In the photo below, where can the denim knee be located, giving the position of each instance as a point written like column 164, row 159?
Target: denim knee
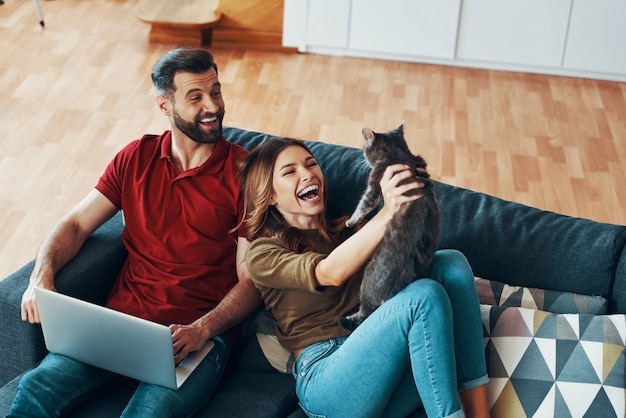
column 452, row 264
column 152, row 400
column 423, row 291
column 425, row 297
column 54, row 384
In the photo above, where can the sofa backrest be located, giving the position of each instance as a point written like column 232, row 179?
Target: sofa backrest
column 503, row 241
column 618, row 297
column 520, row 245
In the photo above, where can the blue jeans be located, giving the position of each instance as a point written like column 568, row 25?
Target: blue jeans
column 419, row 348
column 50, row 389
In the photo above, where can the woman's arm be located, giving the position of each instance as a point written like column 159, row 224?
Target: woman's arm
column 350, row 255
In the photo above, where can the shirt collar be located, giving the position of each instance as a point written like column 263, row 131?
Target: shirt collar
column 210, row 166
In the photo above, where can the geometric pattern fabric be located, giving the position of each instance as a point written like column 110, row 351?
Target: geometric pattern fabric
column 501, row 294
column 543, row 364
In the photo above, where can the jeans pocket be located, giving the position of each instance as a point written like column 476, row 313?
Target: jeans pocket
column 310, row 356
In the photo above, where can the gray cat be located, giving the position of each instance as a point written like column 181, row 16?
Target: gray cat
column 411, row 239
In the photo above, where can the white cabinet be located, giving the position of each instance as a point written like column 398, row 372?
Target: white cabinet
column 425, row 28
column 294, row 23
column 527, row 32
column 582, row 38
column 316, row 23
column 328, row 23
column 597, row 36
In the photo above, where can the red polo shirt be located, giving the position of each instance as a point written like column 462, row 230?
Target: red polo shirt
column 181, row 257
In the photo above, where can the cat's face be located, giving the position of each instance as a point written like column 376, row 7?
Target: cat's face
column 386, row 147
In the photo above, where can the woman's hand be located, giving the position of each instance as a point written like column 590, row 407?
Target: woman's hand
column 350, row 255
column 393, row 191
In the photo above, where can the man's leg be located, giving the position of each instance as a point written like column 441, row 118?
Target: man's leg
column 50, row 388
column 156, row 401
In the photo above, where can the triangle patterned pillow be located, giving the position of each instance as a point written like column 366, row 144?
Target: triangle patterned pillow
column 543, row 364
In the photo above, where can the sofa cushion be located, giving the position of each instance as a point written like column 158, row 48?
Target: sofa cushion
column 501, row 294
column 269, row 395
column 547, row 364
column 262, row 352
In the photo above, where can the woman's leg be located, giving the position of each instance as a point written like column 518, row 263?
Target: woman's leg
column 50, row 389
column 474, row 401
column 156, row 401
column 452, row 270
column 361, row 374
column 397, row 406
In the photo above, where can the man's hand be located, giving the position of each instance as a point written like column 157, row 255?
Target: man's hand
column 30, row 312
column 187, row 338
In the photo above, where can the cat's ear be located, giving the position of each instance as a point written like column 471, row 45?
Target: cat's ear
column 400, row 128
column 369, row 135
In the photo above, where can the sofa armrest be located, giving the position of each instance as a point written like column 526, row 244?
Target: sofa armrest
column 88, row 276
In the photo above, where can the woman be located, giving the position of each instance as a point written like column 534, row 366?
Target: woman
column 422, row 347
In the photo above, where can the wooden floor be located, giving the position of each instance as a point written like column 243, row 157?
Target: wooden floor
column 75, row 92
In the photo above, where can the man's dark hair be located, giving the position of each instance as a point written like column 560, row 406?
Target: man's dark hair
column 191, row 60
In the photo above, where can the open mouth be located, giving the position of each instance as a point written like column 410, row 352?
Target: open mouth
column 208, row 120
column 310, row 193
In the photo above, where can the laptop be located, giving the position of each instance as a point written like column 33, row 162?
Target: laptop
column 112, row 340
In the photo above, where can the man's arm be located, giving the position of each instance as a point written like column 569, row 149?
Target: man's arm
column 242, row 299
column 62, row 243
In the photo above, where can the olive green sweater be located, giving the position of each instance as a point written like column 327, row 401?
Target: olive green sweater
column 305, row 312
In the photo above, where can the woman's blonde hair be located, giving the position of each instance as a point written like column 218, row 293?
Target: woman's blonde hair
column 260, row 218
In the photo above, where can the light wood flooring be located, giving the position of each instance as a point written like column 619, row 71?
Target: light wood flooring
column 75, row 92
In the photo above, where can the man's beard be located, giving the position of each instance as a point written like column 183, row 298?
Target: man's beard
column 194, row 131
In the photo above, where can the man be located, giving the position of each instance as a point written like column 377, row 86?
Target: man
column 185, row 268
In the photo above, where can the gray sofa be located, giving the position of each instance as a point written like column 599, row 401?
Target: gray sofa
column 504, row 242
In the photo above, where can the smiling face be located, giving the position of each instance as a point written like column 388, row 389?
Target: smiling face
column 197, row 107
column 298, row 188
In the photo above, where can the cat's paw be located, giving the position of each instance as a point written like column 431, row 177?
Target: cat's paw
column 352, row 222
column 350, row 322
